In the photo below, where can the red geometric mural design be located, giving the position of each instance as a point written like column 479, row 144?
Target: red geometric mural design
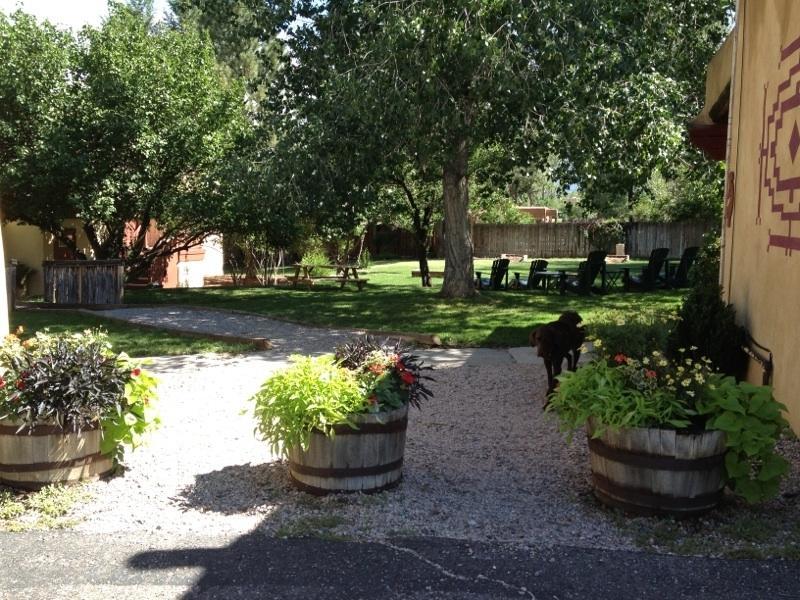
column 780, row 170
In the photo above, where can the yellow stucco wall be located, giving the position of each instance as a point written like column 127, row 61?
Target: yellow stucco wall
column 26, row 244
column 30, row 245
column 761, row 252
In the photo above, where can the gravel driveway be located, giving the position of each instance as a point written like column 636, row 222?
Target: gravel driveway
column 482, row 461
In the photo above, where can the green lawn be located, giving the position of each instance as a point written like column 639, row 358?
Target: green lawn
column 136, row 341
column 393, row 301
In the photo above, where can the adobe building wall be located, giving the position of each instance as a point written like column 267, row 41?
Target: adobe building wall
column 760, row 270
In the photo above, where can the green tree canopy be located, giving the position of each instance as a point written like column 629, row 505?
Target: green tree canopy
column 146, row 115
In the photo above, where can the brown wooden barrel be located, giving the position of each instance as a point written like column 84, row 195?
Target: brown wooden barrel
column 367, row 459
column 46, row 454
column 658, row 471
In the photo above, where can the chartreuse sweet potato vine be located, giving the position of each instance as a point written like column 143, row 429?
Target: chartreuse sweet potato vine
column 752, row 421
column 313, row 393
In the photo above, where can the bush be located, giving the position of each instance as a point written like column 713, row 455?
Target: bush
column 637, row 335
column 603, row 234
column 707, row 326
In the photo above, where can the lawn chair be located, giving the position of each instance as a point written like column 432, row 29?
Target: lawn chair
column 679, row 277
column 498, row 278
column 650, row 276
column 533, row 281
column 588, row 270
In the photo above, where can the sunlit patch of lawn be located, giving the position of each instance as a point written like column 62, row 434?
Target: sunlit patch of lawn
column 394, row 301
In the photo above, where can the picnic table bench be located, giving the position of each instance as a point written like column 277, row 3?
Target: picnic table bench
column 344, row 274
column 431, row 273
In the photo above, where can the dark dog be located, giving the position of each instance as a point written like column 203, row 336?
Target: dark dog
column 556, row 341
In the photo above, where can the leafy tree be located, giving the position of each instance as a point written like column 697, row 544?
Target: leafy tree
column 33, row 94
column 430, row 82
column 146, row 116
column 633, row 77
column 244, row 34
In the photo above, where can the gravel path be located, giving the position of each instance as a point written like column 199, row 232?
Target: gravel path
column 482, row 461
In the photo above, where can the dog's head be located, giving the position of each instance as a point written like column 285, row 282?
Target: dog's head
column 570, row 317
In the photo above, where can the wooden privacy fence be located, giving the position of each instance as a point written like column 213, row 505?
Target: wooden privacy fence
column 546, row 240
column 642, row 238
column 551, row 240
column 83, row 281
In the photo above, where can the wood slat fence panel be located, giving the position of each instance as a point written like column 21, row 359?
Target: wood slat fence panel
column 83, row 281
column 551, row 240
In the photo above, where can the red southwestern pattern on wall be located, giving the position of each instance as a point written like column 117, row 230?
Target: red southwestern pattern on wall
column 778, row 158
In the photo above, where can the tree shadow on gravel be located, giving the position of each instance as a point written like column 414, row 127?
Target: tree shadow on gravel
column 238, row 488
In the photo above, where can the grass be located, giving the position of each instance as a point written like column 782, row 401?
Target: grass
column 734, row 530
column 393, row 301
column 136, row 341
column 321, row 527
column 47, row 508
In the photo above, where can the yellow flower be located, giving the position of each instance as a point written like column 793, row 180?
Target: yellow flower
column 693, row 348
column 690, row 393
column 655, row 352
column 699, row 378
column 662, row 363
column 598, row 343
column 681, row 369
column 686, row 382
column 645, row 361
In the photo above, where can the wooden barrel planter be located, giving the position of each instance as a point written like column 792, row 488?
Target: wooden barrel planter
column 367, row 459
column 83, row 282
column 658, row 471
column 46, row 454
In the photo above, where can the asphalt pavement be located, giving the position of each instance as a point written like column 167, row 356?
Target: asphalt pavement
column 53, row 565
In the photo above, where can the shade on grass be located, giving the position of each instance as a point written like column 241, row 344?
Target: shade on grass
column 393, row 301
column 136, row 341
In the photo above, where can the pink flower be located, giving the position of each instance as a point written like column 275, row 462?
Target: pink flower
column 136, row 372
column 620, row 358
column 407, row 377
column 650, row 374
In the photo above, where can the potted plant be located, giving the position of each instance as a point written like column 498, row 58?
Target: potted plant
column 341, row 419
column 666, row 434
column 69, row 407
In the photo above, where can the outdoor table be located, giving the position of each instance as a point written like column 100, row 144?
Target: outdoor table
column 611, row 277
column 552, row 279
column 345, row 273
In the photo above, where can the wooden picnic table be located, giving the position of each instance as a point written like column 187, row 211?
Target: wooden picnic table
column 345, row 273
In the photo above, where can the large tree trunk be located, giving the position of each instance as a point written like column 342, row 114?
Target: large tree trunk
column 458, row 272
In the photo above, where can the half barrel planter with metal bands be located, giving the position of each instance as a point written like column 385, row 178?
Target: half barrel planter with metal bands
column 653, row 471
column 367, row 459
column 31, row 458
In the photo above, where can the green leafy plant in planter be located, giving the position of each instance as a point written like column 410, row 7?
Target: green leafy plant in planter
column 76, row 382
column 752, row 422
column 685, row 395
column 329, row 414
column 318, row 393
